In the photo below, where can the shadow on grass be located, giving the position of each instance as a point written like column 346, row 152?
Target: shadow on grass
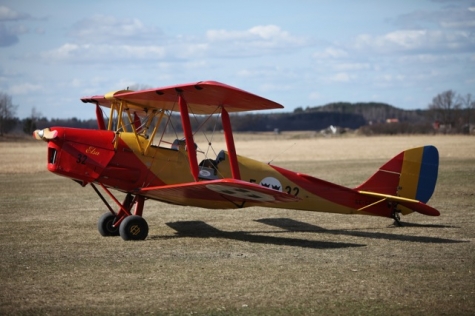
column 297, row 226
column 406, row 224
column 201, row 229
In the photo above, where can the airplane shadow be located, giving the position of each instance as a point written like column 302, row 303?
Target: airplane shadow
column 200, row 229
column 297, row 226
column 407, row 224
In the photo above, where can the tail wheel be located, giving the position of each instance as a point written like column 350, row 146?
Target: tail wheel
column 396, row 217
column 105, row 225
column 133, row 227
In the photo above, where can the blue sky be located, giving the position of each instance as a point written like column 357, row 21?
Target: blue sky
column 298, row 53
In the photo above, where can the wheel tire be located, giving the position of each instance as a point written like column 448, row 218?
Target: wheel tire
column 133, row 228
column 104, row 225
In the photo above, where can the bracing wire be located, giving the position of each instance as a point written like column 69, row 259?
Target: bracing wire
column 204, row 134
column 282, row 152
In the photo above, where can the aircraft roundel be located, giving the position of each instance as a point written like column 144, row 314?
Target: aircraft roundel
column 271, row 183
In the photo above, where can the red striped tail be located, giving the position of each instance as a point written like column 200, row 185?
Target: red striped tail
column 411, row 174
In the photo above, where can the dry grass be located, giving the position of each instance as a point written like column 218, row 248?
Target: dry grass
column 251, row 261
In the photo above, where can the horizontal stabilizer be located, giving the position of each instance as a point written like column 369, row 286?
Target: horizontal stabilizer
column 411, row 204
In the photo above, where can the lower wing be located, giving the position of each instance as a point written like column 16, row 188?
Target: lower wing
column 223, row 193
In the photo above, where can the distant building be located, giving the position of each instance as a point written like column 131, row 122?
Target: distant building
column 392, row 120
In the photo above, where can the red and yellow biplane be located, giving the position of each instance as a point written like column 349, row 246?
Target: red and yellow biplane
column 132, row 152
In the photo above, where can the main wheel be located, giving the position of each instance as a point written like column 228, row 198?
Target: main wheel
column 105, row 225
column 133, row 228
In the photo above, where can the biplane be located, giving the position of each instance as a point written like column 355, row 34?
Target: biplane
column 135, row 151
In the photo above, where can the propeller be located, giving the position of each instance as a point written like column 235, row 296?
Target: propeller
column 45, row 134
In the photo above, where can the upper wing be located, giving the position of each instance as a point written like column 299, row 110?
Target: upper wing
column 224, row 193
column 204, row 97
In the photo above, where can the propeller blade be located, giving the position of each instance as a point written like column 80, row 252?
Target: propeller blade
column 45, row 134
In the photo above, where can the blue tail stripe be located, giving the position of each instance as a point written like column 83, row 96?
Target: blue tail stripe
column 428, row 173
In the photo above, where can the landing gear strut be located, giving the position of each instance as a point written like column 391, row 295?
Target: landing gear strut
column 130, row 226
column 396, row 217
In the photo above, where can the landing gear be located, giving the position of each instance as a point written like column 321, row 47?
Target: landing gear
column 133, row 227
column 129, row 225
column 105, row 225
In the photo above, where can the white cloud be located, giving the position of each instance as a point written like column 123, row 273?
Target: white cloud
column 351, row 66
column 404, row 39
column 313, row 96
column 415, row 40
column 101, row 28
column 24, row 88
column 267, row 87
column 7, row 14
column 245, row 73
column 263, row 32
column 390, row 77
column 331, row 52
column 340, row 77
column 458, row 24
column 256, row 72
column 268, row 32
column 455, row 16
column 196, row 64
column 415, row 59
column 223, row 35
column 188, row 49
column 102, row 53
column 76, row 83
column 258, row 40
column 19, row 29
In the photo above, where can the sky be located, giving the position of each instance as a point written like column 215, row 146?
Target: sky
column 298, row 53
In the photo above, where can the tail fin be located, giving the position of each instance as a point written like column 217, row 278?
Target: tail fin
column 412, row 174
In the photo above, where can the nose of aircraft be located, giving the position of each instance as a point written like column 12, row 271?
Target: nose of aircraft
column 45, row 134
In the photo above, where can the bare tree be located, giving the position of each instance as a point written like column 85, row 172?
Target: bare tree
column 7, row 113
column 29, row 124
column 444, row 106
column 468, row 106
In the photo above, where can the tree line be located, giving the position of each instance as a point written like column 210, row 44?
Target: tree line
column 448, row 113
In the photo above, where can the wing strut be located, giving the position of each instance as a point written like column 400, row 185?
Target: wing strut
column 228, row 135
column 190, row 144
column 100, row 117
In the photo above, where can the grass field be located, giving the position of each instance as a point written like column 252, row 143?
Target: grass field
column 254, row 261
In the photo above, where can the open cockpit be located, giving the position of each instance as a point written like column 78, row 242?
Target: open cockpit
column 159, row 135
